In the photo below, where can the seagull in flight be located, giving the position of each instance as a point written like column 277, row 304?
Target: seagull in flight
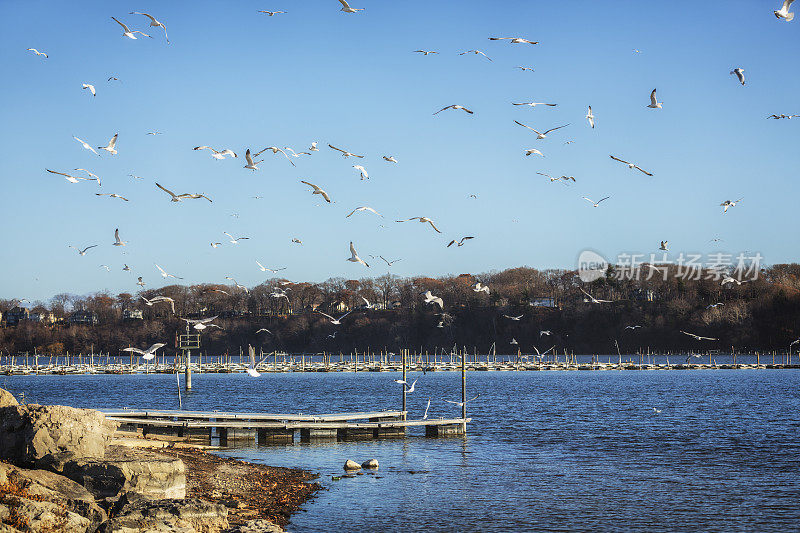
column 265, row 269
column 739, row 72
column 275, row 150
column 541, row 135
column 108, row 269
column 236, row 239
column 782, row 115
column 83, row 252
column 238, row 286
column 140, row 282
column 590, row 117
column 354, row 256
column 698, row 337
column 158, row 299
column 117, row 240
column 95, row 177
column 390, row 159
column 37, row 52
column 295, row 154
column 783, row 12
column 533, row 104
column 70, row 178
column 216, row 244
column 461, row 404
column 127, row 32
column 251, row 165
column 714, row 305
column 525, row 68
column 251, row 368
column 363, row 171
column 86, row 145
column 479, row 287
column 147, row 354
column 630, row 165
column 345, row 153
column 264, row 329
column 529, row 151
column 179, row 197
column 476, row 52
column 514, row 318
column 153, row 22
column 90, row 87
column 425, row 416
column 317, row 190
column 654, row 104
column 513, row 40
column 728, row 279
column 271, row 13
column 363, row 208
column 389, row 263
column 459, row 243
column 633, row 327
column 201, row 323
column 597, row 203
column 165, row 274
column 422, row 220
column 313, row 147
column 663, row 246
column 111, row 195
column 425, row 52
column 111, row 146
column 334, row 321
column 218, row 154
column 347, row 9
column 595, row 300
column 431, row 299
column 727, row 204
column 454, row 106
column 410, row 389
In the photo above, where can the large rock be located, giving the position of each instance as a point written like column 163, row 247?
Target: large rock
column 154, row 477
column 133, row 513
column 351, row 465
column 372, row 463
column 7, row 399
column 46, row 501
column 257, row 526
column 38, row 434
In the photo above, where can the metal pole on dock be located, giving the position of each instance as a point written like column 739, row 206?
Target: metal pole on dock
column 404, row 385
column 464, row 392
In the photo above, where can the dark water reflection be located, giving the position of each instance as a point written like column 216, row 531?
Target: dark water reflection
column 547, row 451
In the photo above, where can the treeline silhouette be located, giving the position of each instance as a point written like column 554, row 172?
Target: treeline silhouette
column 759, row 314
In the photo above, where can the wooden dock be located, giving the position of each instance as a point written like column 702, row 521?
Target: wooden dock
column 271, row 428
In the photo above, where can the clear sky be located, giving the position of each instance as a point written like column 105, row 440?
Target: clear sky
column 235, row 78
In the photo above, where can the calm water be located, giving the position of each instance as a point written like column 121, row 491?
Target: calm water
column 554, row 451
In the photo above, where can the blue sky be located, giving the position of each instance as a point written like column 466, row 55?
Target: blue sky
column 234, row 78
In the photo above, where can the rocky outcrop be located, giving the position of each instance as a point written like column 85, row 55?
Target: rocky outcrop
column 36, row 435
column 372, row 463
column 351, row 465
column 7, row 399
column 256, row 526
column 134, row 513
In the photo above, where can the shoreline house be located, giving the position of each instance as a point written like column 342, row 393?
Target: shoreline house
column 15, row 315
column 83, row 317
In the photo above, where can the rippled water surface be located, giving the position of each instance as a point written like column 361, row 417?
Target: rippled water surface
column 576, row 451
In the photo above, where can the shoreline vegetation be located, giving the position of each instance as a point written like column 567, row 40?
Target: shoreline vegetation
column 67, row 469
column 388, row 314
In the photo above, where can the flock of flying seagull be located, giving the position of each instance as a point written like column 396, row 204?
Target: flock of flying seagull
column 252, row 162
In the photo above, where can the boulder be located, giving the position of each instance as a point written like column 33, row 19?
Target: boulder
column 32, row 515
column 7, row 399
column 36, row 435
column 156, row 478
column 256, row 526
column 351, row 465
column 134, row 513
column 372, row 463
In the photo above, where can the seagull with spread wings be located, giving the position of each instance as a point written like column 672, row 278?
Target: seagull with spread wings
column 69, row 177
column 654, row 103
column 533, row 104
column 83, row 252
column 390, row 159
column 354, row 256
column 347, row 9
column 127, row 31
column 318, row 190
column 251, row 165
column 271, row 13
column 513, row 40
column 363, row 171
column 541, row 135
column 334, row 321
column 783, row 12
column 739, row 72
column 165, row 274
column 476, row 52
column 90, row 87
column 590, row 117
column 37, row 52
column 111, row 146
column 459, row 243
column 86, row 145
column 218, row 154
column 111, row 195
column 153, row 22
column 698, row 337
column 238, row 285
column 423, row 220
column 235, row 240
column 594, row 300
column 363, row 208
column 345, row 153
column 158, row 299
column 179, row 197
column 425, row 52
column 630, row 165
column 597, row 203
column 728, row 204
column 479, row 287
column 454, row 106
column 265, row 269
column 147, row 354
column 117, row 240
column 431, row 299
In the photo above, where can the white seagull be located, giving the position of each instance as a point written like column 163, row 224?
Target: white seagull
column 251, row 368
column 202, row 323
column 410, row 389
column 218, row 154
column 111, row 146
column 345, row 153
column 238, row 285
column 461, row 404
column 739, row 72
column 630, row 165
column 179, row 197
column 454, row 106
column 147, row 354
column 271, row 13
column 479, row 287
column 127, row 32
column 265, row 269
column 597, row 203
column 783, row 12
column 390, row 159
column 140, row 282
column 363, row 171
column 459, row 243
column 335, row 321
column 83, row 252
column 525, row 68
column 431, row 299
column 90, row 87
column 363, row 208
column 590, row 117
column 235, row 240
column 698, row 337
column 533, row 104
column 654, row 104
column 513, row 40
column 86, row 145
column 727, row 204
column 664, row 246
column 514, row 318
column 70, row 178
column 425, row 52
column 37, row 52
column 250, row 163
column 347, row 9
column 529, row 151
column 111, row 195
column 117, row 240
column 354, row 256
column 476, row 52
column 317, row 190
column 165, row 274
column 595, row 300
column 313, row 147
column 91, row 177
column 153, row 22
column 541, row 135
column 422, row 220
column 158, row 299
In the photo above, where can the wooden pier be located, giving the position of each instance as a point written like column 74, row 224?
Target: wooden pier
column 271, row 428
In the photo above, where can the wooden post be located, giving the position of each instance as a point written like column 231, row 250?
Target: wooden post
column 464, row 393
column 404, row 385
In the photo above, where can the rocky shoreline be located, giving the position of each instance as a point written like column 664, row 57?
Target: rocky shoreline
column 67, row 469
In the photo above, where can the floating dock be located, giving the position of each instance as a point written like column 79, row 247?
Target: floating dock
column 270, row 428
